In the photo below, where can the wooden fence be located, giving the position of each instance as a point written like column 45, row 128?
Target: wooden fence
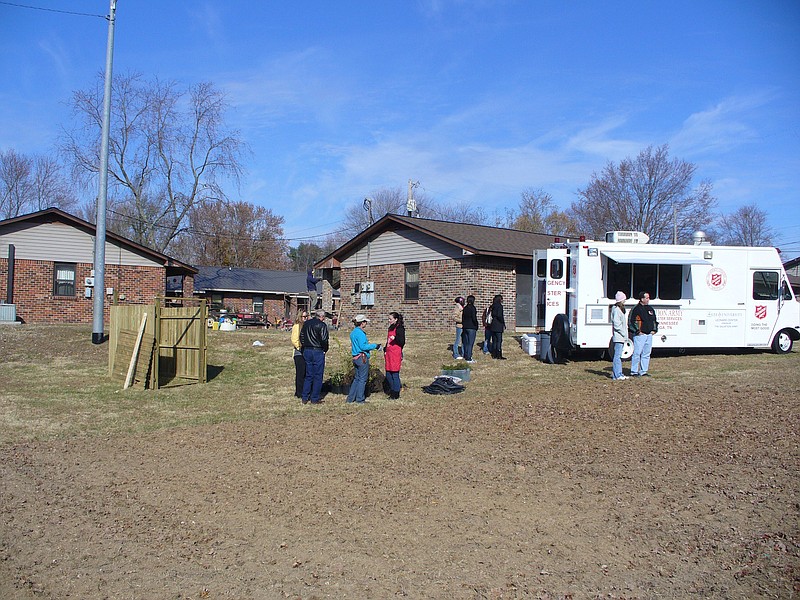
column 172, row 350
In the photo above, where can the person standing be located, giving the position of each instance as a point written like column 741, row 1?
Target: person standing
column 619, row 335
column 642, row 324
column 299, row 361
column 487, row 332
column 311, row 286
column 458, row 309
column 469, row 323
column 497, row 326
column 393, row 353
column 314, row 340
column 360, row 349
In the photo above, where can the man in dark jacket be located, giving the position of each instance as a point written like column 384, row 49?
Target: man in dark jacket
column 642, row 324
column 311, row 286
column 314, row 340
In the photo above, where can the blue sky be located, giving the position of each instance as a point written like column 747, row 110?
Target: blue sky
column 475, row 99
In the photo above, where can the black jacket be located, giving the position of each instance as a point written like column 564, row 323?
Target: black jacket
column 469, row 318
column 314, row 334
column 642, row 320
column 498, row 323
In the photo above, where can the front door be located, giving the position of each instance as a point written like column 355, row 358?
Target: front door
column 762, row 306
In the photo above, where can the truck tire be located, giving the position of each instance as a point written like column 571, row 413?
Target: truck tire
column 782, row 343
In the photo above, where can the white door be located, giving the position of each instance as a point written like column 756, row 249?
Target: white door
column 549, row 286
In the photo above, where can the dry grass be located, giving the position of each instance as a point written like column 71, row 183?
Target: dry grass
column 54, row 381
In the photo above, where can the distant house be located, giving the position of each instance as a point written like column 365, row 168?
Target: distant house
column 47, row 262
column 793, row 272
column 418, row 266
column 276, row 294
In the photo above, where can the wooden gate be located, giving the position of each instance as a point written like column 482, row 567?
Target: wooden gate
column 171, row 349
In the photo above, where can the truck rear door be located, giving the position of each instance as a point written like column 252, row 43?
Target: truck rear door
column 549, row 286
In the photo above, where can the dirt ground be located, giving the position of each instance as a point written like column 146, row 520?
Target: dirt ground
column 683, row 485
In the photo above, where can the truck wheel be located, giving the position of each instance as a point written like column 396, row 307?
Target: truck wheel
column 782, row 343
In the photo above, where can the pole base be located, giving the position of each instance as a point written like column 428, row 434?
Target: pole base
column 98, row 338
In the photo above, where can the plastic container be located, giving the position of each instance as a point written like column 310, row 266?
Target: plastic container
column 530, row 344
column 544, row 345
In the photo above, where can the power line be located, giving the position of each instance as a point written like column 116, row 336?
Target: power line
column 208, row 234
column 55, row 10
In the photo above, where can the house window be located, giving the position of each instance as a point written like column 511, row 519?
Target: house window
column 64, row 279
column 411, row 282
column 258, row 304
column 216, row 301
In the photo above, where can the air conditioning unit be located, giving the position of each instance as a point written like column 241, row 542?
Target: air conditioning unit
column 626, row 237
column 8, row 313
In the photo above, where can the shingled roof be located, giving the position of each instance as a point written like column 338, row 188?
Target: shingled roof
column 56, row 215
column 261, row 281
column 476, row 239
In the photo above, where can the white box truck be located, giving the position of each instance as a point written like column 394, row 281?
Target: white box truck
column 704, row 296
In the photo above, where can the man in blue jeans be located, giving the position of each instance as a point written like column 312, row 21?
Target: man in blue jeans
column 360, row 349
column 314, row 341
column 642, row 324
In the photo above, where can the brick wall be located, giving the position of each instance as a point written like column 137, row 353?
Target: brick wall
column 35, row 302
column 440, row 282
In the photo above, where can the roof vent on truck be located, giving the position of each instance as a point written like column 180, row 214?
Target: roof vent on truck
column 626, row 237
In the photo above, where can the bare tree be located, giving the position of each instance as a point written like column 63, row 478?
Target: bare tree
column 650, row 193
column 394, row 201
column 458, row 212
column 238, row 234
column 382, row 202
column 169, row 151
column 31, row 183
column 747, row 226
column 537, row 213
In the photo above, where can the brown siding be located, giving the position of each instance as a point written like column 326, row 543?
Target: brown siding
column 35, row 302
column 440, row 282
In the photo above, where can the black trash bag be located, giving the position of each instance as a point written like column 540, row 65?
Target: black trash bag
column 443, row 385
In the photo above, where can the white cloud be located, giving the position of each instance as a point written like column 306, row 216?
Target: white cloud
column 725, row 126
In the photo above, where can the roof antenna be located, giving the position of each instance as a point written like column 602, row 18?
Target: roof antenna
column 411, row 205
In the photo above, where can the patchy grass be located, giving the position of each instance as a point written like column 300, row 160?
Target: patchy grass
column 54, row 381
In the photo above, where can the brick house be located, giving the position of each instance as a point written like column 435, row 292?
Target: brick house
column 46, row 268
column 276, row 294
column 418, row 266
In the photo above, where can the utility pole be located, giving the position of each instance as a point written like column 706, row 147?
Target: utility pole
column 411, row 205
column 100, row 228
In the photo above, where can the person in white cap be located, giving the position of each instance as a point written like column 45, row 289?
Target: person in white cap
column 619, row 326
column 360, row 349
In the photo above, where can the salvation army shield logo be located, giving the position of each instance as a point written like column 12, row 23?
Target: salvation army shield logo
column 716, row 279
column 761, row 312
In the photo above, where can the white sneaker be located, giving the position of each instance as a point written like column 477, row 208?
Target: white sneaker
column 459, row 358
column 620, row 378
column 472, row 362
